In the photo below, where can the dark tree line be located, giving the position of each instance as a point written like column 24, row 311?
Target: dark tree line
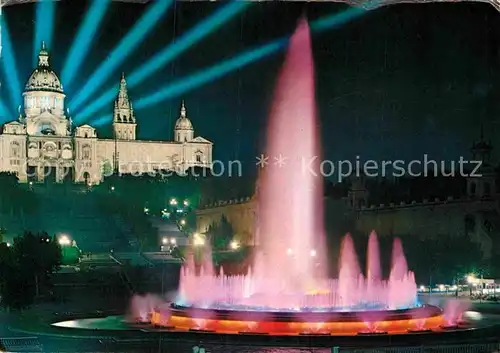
column 26, row 268
column 16, row 198
column 220, row 234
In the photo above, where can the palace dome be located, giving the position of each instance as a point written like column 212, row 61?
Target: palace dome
column 43, row 77
column 183, row 123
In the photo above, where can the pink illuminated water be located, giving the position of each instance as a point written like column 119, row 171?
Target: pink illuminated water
column 352, row 291
column 290, row 195
column 454, row 310
column 142, row 306
column 289, row 271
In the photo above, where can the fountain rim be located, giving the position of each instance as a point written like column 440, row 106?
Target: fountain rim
column 416, row 313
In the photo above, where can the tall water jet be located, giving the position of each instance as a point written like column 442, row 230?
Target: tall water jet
column 373, row 272
column 349, row 273
column 208, row 265
column 283, row 292
column 399, row 267
column 402, row 286
column 291, row 187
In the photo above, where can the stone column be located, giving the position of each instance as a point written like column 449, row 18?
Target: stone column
column 40, row 172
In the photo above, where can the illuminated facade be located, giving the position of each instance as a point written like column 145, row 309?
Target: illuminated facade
column 42, row 143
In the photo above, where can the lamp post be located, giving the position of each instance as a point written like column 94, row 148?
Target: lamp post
column 64, row 242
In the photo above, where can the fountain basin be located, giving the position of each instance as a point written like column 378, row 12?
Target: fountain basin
column 296, row 323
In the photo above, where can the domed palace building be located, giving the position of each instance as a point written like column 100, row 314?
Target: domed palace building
column 42, row 143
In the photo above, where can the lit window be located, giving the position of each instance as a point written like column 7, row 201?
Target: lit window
column 15, row 150
column 86, row 152
column 30, row 102
column 45, row 102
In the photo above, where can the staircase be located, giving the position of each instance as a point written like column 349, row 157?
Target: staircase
column 135, row 259
column 125, row 231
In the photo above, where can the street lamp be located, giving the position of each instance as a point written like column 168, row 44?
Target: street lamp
column 235, row 245
column 64, row 240
column 186, row 203
column 183, row 222
column 198, row 240
column 173, row 202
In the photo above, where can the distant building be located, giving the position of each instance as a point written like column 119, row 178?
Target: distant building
column 43, row 144
column 475, row 214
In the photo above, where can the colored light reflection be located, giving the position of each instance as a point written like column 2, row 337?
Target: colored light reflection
column 271, row 327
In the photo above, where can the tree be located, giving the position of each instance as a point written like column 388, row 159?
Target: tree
column 28, row 267
column 443, row 258
column 6, row 266
column 220, row 234
column 15, row 197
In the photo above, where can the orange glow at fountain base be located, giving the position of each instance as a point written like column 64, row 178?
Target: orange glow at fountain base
column 273, row 327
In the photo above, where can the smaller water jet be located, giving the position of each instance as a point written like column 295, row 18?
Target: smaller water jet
column 454, row 310
column 142, row 306
column 352, row 291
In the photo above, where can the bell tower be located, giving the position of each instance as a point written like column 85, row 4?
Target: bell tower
column 183, row 131
column 124, row 124
column 358, row 194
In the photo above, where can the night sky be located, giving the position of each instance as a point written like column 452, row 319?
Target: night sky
column 396, row 83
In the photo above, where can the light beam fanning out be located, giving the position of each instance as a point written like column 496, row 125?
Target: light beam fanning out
column 11, row 76
column 44, row 26
column 216, row 71
column 133, row 38
column 204, row 76
column 3, row 112
column 162, row 58
column 83, row 40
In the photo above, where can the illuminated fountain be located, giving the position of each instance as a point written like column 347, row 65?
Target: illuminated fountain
column 287, row 290
column 352, row 291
